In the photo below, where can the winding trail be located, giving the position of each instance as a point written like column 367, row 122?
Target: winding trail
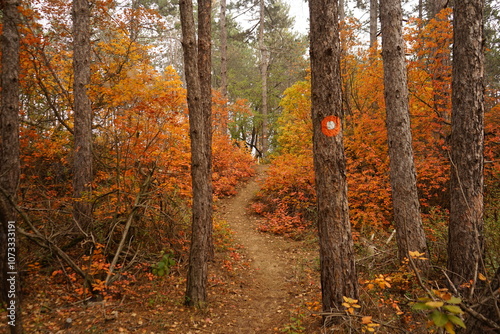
column 266, row 291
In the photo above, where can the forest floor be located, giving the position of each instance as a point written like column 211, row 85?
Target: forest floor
column 258, row 283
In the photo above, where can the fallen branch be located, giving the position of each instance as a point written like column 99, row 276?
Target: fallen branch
column 342, row 315
column 45, row 242
column 128, row 224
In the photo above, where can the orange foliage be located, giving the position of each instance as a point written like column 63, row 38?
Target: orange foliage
column 141, row 143
column 287, row 198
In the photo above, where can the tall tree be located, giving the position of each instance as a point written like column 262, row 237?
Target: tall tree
column 373, row 21
column 465, row 232
column 197, row 69
column 223, row 47
column 223, row 58
column 9, row 160
column 409, row 229
column 82, row 163
column 264, row 65
column 338, row 270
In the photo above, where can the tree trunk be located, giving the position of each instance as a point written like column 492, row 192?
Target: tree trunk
column 338, row 271
column 341, row 10
column 465, row 243
column 9, row 164
column 223, row 48
column 409, row 229
column 264, row 64
column 434, row 7
column 373, row 21
column 197, row 69
column 223, row 62
column 82, row 168
column 205, row 73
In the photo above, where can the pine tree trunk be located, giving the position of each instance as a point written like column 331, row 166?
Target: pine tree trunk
column 434, row 7
column 223, row 47
column 409, row 229
column 9, row 164
column 341, row 10
column 223, row 61
column 82, row 163
column 465, row 243
column 197, row 69
column 264, row 64
column 373, row 21
column 338, row 271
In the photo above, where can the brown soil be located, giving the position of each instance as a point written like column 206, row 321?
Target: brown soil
column 270, row 289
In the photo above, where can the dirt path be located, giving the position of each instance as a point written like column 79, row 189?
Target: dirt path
column 267, row 290
column 261, row 287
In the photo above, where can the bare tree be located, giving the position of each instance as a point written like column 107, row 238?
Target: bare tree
column 82, row 160
column 409, row 229
column 338, row 271
column 9, row 163
column 197, row 68
column 465, row 243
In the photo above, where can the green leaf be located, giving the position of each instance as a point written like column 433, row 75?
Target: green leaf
column 420, row 306
column 161, row 272
column 453, row 309
column 454, row 300
column 456, row 320
column 440, row 319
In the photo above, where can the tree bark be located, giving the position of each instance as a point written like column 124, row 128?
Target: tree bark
column 82, row 163
column 223, row 47
column 465, row 235
column 434, row 7
column 264, row 64
column 197, row 69
column 407, row 217
column 338, row 271
column 341, row 10
column 9, row 163
column 373, row 21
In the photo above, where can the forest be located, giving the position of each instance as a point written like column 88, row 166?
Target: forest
column 208, row 167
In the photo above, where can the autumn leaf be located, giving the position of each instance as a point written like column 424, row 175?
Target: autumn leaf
column 366, row 319
column 434, row 304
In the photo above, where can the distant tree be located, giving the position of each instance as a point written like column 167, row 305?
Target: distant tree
column 9, row 153
column 409, row 229
column 197, row 66
column 82, row 159
column 284, row 62
column 465, row 243
column 492, row 39
column 264, row 66
column 338, row 270
column 374, row 4
column 223, row 47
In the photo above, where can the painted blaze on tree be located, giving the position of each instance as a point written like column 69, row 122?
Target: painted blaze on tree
column 338, row 271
